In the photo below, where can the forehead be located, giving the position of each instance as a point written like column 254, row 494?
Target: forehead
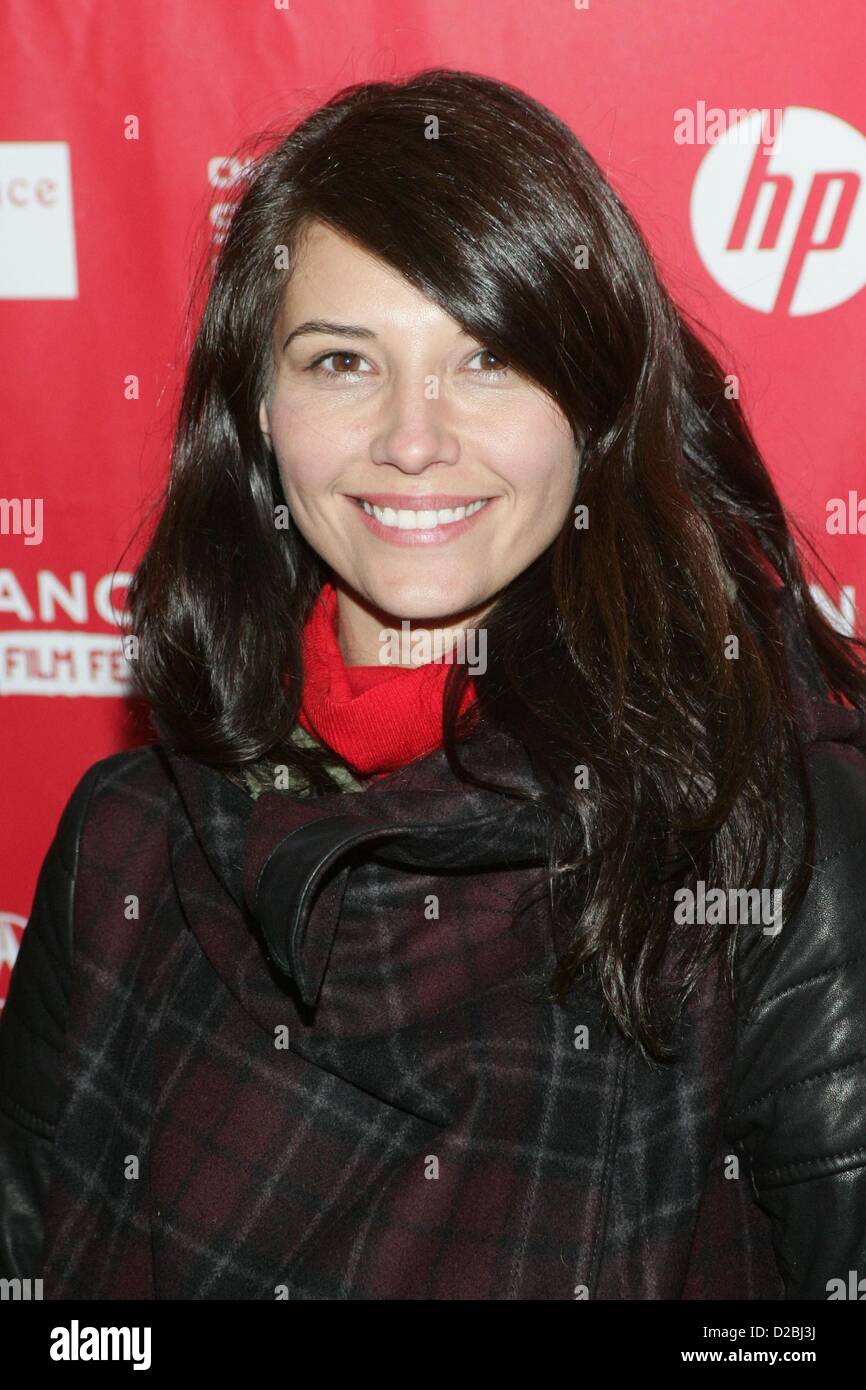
column 318, row 244
column 335, row 277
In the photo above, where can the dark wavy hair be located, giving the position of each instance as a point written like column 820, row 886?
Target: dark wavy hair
column 626, row 622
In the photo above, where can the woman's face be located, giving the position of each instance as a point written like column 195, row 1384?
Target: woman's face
column 378, row 394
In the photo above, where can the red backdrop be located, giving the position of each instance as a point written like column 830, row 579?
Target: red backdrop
column 117, row 121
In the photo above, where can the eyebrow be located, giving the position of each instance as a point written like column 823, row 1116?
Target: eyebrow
column 344, row 330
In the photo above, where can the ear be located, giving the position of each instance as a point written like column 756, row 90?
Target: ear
column 264, row 423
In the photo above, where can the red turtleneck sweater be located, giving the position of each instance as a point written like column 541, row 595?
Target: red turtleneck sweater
column 375, row 717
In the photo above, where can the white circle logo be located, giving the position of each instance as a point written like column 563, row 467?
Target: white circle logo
column 778, row 214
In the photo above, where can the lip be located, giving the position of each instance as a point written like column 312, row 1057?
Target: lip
column 434, row 501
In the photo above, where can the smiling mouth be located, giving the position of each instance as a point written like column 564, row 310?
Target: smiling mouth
column 412, row 519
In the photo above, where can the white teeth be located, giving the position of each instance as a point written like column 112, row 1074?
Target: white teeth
column 406, row 520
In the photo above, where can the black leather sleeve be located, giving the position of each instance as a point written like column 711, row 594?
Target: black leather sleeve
column 798, row 1104
column 32, row 1034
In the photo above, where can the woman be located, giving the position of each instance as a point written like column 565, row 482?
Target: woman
column 531, row 969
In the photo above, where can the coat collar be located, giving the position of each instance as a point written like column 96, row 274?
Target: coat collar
column 285, row 860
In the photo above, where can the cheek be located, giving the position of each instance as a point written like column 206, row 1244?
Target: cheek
column 312, row 442
column 540, row 462
column 306, row 459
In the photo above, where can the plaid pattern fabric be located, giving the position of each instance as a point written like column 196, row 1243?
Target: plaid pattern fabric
column 425, row 1125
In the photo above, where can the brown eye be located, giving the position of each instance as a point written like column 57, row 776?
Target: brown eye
column 487, row 356
column 341, row 358
column 491, row 357
column 345, row 363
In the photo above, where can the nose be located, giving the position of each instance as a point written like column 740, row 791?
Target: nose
column 413, row 430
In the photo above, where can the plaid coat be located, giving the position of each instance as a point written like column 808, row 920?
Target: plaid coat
column 309, row 1054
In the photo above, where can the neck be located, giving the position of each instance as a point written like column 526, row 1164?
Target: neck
column 375, row 718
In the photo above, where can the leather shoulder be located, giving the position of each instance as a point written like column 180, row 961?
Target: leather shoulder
column 798, row 1097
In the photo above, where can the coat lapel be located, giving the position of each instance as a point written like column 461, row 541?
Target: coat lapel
column 284, row 861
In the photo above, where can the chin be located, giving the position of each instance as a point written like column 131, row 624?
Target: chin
column 420, row 604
